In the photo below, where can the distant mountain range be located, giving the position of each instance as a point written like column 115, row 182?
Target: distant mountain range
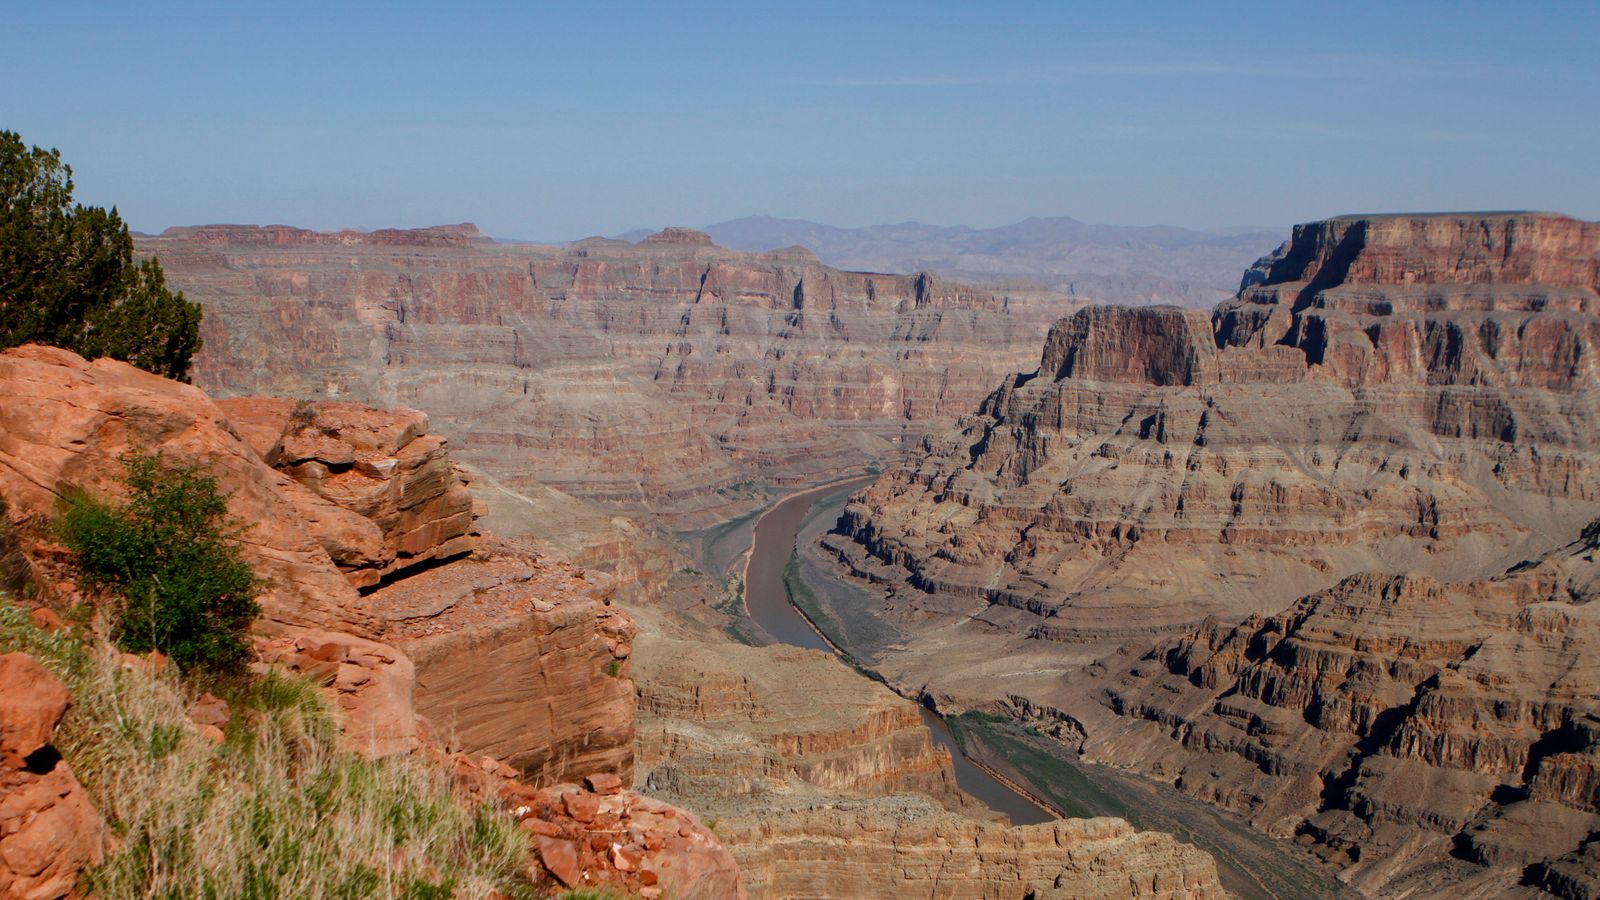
column 1135, row 265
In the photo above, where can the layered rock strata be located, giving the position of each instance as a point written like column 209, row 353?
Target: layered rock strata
column 663, row 377
column 784, row 718
column 1397, row 394
column 521, row 657
column 508, row 654
column 824, row 784
column 382, row 494
column 907, row 847
column 1409, row 729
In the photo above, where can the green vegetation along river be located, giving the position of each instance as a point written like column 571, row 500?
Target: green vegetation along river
column 1033, row 771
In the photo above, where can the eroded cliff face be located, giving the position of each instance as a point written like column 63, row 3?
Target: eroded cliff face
column 492, row 657
column 663, row 377
column 1398, row 394
column 824, row 784
column 1408, row 729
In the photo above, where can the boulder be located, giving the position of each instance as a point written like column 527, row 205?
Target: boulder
column 49, row 831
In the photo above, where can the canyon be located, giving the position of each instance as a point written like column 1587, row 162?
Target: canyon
column 503, row 664
column 1318, row 557
column 666, row 379
column 1350, row 512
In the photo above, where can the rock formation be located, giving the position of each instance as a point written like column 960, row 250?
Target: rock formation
column 49, row 831
column 788, row 719
column 1399, row 394
column 63, row 424
column 907, row 847
column 382, row 493
column 666, row 377
column 1396, row 421
column 509, row 654
column 1403, row 727
column 824, row 784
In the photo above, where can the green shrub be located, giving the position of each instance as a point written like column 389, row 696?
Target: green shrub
column 170, row 557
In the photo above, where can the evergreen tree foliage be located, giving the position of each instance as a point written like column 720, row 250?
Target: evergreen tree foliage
column 68, row 277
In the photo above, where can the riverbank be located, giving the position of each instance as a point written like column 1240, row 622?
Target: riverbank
column 1002, row 758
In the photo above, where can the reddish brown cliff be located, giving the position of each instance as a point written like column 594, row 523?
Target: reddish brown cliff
column 664, row 376
column 1408, row 729
column 1163, row 465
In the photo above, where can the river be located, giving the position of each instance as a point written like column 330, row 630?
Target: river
column 1251, row 864
column 772, row 543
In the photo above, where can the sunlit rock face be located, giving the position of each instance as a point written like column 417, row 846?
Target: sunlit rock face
column 1408, row 393
column 1341, row 508
column 665, row 377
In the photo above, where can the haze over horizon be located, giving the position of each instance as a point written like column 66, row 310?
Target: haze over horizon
column 555, row 123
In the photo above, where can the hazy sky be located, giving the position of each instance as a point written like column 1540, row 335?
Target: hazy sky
column 555, row 121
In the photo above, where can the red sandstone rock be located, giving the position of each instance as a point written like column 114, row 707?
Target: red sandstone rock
column 603, row 783
column 560, row 859
column 64, row 421
column 49, row 832
column 210, row 709
column 373, row 684
column 558, row 659
column 383, row 493
column 45, row 620
column 32, row 702
column 581, row 807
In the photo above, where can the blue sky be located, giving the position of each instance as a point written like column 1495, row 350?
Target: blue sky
column 555, row 121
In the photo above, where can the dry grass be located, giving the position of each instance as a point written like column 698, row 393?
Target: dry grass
column 275, row 812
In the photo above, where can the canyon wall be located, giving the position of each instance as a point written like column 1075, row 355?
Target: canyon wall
column 667, row 378
column 1400, row 394
column 824, row 784
column 1408, row 729
column 1395, row 420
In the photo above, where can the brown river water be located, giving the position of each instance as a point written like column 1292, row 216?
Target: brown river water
column 1251, row 864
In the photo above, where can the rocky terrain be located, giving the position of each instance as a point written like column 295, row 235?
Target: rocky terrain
column 824, row 784
column 1412, row 730
column 1404, row 394
column 666, row 378
column 1134, row 266
column 1394, row 420
column 49, row 831
column 404, row 659
column 497, row 662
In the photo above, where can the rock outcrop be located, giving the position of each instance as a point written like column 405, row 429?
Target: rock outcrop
column 1396, row 394
column 49, row 831
column 664, row 377
column 724, row 719
column 600, row 835
column 1410, row 730
column 65, row 421
column 521, row 657
column 824, row 784
column 382, row 494
column 507, row 653
column 907, row 847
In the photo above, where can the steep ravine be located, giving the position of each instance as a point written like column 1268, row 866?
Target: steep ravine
column 1250, row 864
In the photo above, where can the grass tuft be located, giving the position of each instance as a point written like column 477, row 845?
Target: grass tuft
column 277, row 811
